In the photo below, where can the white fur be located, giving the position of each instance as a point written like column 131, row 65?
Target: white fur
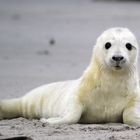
column 102, row 94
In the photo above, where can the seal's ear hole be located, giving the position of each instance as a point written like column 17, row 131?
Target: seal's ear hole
column 129, row 46
column 107, row 45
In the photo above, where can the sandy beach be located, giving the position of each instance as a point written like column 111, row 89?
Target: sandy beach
column 43, row 41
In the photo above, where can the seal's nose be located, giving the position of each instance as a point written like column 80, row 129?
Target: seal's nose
column 117, row 58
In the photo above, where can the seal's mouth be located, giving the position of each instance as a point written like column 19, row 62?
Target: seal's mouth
column 117, row 67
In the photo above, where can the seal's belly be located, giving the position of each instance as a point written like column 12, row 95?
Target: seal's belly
column 104, row 110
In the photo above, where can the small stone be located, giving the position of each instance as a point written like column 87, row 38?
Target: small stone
column 52, row 41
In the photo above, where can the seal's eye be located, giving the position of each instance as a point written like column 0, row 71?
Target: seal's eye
column 107, row 45
column 129, row 46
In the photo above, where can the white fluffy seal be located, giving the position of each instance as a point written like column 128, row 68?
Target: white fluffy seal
column 108, row 91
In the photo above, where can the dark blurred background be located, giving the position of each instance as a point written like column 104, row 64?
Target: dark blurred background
column 43, row 41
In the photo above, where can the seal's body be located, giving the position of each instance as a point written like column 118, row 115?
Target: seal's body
column 108, row 91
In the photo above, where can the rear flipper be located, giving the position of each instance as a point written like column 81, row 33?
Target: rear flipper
column 10, row 108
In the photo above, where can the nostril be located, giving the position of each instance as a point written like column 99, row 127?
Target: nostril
column 121, row 57
column 114, row 58
column 117, row 58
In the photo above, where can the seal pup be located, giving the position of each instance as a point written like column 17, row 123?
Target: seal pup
column 107, row 92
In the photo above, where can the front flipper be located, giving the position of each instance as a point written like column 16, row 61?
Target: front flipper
column 72, row 116
column 131, row 114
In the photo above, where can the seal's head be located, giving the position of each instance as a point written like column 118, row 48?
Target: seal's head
column 117, row 48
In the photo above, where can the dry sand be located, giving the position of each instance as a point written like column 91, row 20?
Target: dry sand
column 43, row 41
column 38, row 131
